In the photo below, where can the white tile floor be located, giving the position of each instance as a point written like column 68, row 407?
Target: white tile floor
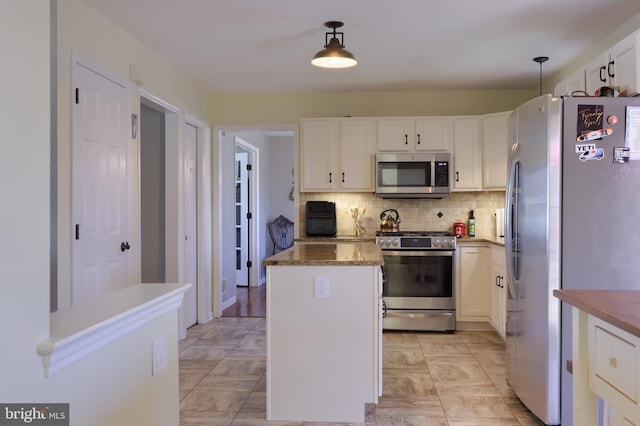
column 452, row 379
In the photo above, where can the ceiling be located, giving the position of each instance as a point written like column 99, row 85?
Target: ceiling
column 260, row 46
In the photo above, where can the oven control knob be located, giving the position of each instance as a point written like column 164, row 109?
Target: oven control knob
column 396, row 242
column 388, row 242
column 436, row 243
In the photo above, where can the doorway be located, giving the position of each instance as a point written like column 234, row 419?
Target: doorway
column 246, row 197
column 272, row 179
column 175, row 168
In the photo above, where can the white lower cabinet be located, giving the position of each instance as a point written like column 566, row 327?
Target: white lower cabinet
column 498, row 291
column 614, row 357
column 473, row 284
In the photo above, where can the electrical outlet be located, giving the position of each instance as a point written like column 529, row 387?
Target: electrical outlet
column 321, row 287
column 159, row 355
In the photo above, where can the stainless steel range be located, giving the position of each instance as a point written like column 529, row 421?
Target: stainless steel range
column 418, row 291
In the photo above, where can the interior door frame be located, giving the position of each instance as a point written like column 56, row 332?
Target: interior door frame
column 204, row 217
column 175, row 120
column 218, row 190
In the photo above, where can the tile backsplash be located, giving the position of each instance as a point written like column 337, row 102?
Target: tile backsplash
column 420, row 214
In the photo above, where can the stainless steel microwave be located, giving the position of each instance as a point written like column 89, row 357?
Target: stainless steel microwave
column 413, row 175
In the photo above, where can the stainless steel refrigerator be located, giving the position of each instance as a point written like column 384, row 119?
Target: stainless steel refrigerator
column 572, row 213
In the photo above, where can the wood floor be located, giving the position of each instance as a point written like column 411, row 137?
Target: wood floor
column 250, row 302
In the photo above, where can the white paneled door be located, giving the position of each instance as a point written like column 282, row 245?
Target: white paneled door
column 191, row 228
column 99, row 185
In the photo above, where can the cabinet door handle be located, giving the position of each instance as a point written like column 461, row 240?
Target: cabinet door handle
column 342, row 177
column 406, row 139
column 497, row 281
column 418, row 138
column 330, row 177
column 602, row 74
column 610, row 69
column 457, row 177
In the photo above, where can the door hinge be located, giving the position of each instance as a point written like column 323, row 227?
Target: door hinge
column 248, row 167
column 249, row 216
column 248, row 264
column 77, row 95
column 77, row 231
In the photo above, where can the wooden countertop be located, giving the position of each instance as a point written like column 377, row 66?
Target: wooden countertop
column 325, row 253
column 617, row 307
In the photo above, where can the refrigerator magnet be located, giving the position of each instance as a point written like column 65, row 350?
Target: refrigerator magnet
column 590, row 118
column 621, row 155
column 592, row 154
column 594, row 134
column 584, row 147
column 612, row 119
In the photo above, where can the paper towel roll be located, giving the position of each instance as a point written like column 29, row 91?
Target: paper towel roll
column 499, row 222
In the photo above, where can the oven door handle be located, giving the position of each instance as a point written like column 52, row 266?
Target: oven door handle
column 415, row 314
column 423, row 253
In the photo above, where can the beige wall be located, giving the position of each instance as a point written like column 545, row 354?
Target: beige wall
column 112, row 386
column 290, row 107
column 83, row 31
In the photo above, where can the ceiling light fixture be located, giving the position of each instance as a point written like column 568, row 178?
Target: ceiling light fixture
column 334, row 55
column 540, row 60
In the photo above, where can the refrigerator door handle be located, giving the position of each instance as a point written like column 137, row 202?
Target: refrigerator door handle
column 511, row 240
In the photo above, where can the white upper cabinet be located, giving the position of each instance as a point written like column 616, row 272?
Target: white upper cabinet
column 356, row 154
column 318, row 137
column 402, row 134
column 625, row 56
column 336, row 154
column 495, row 150
column 467, row 154
column 573, row 83
column 618, row 66
column 433, row 134
column 394, row 134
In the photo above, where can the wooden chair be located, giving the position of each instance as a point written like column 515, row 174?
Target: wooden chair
column 281, row 231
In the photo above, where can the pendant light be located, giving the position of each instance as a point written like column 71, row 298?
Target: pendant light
column 334, row 55
column 540, row 60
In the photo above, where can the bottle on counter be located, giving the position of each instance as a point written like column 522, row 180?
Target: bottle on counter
column 472, row 224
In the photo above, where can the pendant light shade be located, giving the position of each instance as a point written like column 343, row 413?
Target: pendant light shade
column 334, row 55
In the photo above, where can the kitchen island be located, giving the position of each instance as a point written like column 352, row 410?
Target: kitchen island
column 324, row 331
